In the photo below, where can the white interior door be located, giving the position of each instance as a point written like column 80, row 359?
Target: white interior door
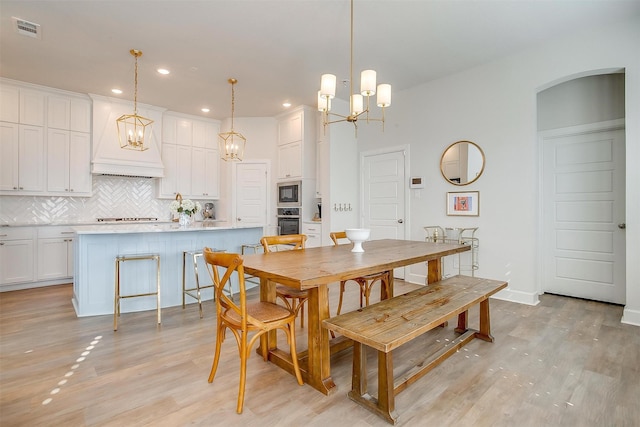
column 583, row 215
column 251, row 194
column 383, row 187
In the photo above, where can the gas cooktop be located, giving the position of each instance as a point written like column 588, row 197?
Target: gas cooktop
column 126, row 219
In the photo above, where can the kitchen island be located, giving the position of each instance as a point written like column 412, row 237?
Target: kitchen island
column 96, row 247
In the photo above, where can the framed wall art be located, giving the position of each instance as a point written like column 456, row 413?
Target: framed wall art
column 463, row 203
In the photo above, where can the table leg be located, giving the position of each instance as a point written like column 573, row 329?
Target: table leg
column 318, row 363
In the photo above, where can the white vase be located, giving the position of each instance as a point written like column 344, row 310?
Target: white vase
column 184, row 219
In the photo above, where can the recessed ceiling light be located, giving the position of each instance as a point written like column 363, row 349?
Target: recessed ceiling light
column 163, row 71
column 286, row 104
column 205, row 110
column 116, row 91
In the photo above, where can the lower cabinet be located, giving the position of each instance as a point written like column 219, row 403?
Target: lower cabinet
column 55, row 253
column 16, row 255
column 35, row 256
column 313, row 230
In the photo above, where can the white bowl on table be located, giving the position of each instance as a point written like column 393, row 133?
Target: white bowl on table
column 357, row 236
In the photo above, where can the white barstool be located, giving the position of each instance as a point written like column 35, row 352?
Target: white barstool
column 194, row 255
column 118, row 296
column 255, row 248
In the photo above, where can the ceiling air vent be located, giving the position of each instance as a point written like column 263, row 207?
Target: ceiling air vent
column 27, row 28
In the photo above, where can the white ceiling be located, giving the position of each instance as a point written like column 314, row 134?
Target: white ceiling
column 277, row 49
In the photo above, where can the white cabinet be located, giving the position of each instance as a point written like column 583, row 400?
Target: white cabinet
column 190, row 158
column 65, row 112
column 55, row 253
column 32, row 107
column 9, row 104
column 16, row 255
column 205, row 175
column 297, row 145
column 290, row 160
column 313, row 231
column 68, row 163
column 22, row 162
column 290, row 128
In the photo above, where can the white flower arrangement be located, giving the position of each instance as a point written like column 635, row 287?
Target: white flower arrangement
column 185, row 206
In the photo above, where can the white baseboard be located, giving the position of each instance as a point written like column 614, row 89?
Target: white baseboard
column 631, row 317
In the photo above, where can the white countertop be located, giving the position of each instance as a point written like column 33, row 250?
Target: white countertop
column 171, row 227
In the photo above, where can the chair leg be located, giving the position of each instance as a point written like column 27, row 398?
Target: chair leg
column 216, row 357
column 342, row 286
column 244, row 355
column 294, row 353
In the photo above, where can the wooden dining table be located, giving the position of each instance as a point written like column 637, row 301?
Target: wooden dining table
column 314, row 269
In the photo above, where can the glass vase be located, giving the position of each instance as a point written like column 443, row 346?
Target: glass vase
column 184, row 219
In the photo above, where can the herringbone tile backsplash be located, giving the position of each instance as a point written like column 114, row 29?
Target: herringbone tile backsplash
column 113, row 196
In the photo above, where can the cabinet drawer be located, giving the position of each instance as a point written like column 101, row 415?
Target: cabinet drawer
column 54, row 232
column 311, row 228
column 16, row 233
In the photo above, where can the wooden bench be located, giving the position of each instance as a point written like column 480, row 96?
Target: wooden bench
column 393, row 322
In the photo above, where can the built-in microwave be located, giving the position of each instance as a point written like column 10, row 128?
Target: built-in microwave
column 289, row 194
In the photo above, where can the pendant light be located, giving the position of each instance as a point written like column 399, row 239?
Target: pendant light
column 357, row 107
column 134, row 131
column 232, row 143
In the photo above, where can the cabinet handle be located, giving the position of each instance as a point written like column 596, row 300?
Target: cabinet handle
column 15, row 188
column 22, row 188
column 1, row 244
column 66, row 232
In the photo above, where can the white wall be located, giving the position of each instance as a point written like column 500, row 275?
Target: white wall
column 494, row 105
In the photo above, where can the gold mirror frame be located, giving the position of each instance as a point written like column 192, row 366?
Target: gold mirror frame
column 459, row 157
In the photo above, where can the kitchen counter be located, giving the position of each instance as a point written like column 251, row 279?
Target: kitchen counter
column 96, row 247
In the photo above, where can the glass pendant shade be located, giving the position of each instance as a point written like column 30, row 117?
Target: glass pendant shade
column 368, row 83
column 324, row 103
column 328, row 85
column 384, row 95
column 356, row 104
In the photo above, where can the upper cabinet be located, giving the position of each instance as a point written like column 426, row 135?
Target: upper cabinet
column 45, row 143
column 297, row 145
column 190, row 157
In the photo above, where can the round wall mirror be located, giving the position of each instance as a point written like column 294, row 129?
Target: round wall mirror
column 462, row 163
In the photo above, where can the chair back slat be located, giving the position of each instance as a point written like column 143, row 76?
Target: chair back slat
column 297, row 240
column 230, row 262
column 337, row 235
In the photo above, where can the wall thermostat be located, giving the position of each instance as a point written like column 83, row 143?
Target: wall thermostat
column 417, row 182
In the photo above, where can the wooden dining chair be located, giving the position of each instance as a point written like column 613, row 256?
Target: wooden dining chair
column 293, row 298
column 365, row 282
column 243, row 318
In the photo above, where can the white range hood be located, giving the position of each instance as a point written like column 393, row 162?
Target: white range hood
column 107, row 156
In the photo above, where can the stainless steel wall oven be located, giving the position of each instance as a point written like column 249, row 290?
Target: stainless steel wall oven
column 289, row 220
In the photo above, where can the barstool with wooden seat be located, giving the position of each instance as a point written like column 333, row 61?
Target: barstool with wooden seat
column 118, row 296
column 365, row 282
column 194, row 255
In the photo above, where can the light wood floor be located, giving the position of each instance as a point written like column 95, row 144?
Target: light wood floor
column 566, row 362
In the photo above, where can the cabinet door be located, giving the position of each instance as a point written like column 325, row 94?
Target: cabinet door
column 169, row 184
column 184, row 132
column 290, row 160
column 9, row 148
column 31, row 107
column 31, row 159
column 204, row 135
column 58, row 112
column 80, row 180
column 205, row 173
column 52, row 258
column 290, row 129
column 183, row 170
column 58, row 160
column 16, row 261
column 80, row 115
column 9, row 104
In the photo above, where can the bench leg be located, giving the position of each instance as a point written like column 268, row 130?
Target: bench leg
column 359, row 372
column 386, row 392
column 463, row 324
column 485, row 322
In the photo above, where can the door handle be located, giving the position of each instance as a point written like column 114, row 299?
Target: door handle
column 400, row 221
column 622, row 226
column 239, row 219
